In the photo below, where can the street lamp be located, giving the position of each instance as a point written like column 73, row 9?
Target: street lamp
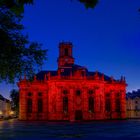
column 1, row 112
column 11, row 112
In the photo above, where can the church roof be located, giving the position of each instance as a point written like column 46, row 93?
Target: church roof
column 66, row 71
column 67, row 67
column 3, row 99
column 133, row 95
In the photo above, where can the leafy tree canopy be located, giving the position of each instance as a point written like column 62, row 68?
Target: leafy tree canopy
column 17, row 6
column 14, row 95
column 18, row 55
column 89, row 3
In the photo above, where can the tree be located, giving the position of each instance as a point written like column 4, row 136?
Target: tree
column 14, row 95
column 18, row 55
column 89, row 3
column 17, row 6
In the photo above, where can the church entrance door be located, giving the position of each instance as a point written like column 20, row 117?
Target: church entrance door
column 78, row 115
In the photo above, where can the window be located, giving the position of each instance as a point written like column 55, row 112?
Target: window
column 91, row 104
column 29, row 105
column 65, row 91
column 108, row 105
column 78, row 92
column 65, row 104
column 66, row 52
column 136, row 107
column 40, row 105
column 118, row 105
column 39, row 94
column 90, row 91
column 136, row 113
column 108, row 95
column 118, row 95
column 30, row 94
column 136, row 102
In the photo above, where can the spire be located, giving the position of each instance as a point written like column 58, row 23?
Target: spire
column 96, row 76
column 112, row 79
column 35, row 79
column 49, row 75
column 25, row 77
column 102, row 77
column 45, row 77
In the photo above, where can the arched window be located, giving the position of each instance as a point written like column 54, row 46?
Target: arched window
column 40, row 105
column 107, row 103
column 91, row 104
column 107, row 95
column 78, row 92
column 29, row 105
column 117, row 95
column 118, row 107
column 39, row 93
column 65, row 92
column 30, row 94
column 65, row 104
column 90, row 91
column 66, row 51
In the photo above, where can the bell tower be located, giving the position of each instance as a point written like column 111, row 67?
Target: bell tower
column 65, row 55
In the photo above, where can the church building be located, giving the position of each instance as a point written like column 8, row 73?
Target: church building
column 71, row 93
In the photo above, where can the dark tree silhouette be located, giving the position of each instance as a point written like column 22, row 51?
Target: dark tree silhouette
column 14, row 95
column 89, row 3
column 18, row 55
column 17, row 6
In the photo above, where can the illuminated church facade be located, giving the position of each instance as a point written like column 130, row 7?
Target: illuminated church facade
column 71, row 93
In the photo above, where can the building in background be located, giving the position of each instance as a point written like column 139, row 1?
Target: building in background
column 71, row 92
column 133, row 104
column 5, row 107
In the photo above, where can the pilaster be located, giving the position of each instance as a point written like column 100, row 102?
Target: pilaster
column 22, row 105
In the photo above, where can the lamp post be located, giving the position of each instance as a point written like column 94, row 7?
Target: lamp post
column 1, row 114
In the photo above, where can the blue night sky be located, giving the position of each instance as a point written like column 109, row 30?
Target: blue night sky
column 106, row 38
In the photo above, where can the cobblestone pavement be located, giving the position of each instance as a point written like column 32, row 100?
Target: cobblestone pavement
column 24, row 130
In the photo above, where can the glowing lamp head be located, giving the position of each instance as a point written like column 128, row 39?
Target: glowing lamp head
column 1, row 113
column 11, row 112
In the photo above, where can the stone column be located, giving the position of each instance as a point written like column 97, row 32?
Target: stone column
column 97, row 104
column 59, row 104
column 51, row 102
column 85, row 104
column 45, row 104
column 34, row 105
column 123, row 105
column 102, row 104
column 71, row 104
column 50, row 96
column 113, row 105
